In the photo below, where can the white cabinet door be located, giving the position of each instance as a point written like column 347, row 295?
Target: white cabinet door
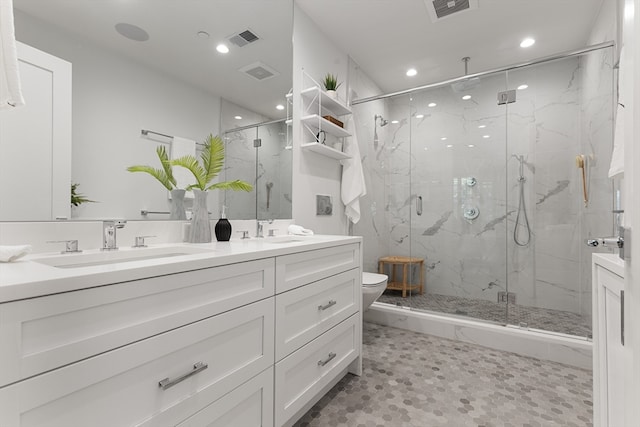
column 610, row 357
column 35, row 142
column 122, row 387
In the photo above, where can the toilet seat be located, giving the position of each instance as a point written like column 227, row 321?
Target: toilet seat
column 373, row 279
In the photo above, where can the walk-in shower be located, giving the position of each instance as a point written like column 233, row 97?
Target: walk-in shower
column 519, row 260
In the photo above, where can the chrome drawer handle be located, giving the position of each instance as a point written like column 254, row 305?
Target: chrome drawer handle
column 327, row 360
column 331, row 303
column 167, row 383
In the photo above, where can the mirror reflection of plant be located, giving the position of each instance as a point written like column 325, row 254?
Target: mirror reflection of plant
column 212, row 157
column 164, row 175
column 331, row 82
column 77, row 198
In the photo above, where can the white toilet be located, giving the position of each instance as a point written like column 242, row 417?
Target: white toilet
column 373, row 285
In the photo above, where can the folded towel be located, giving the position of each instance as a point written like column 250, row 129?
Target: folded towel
column 12, row 253
column 617, row 157
column 299, row 231
column 183, row 147
column 353, row 185
column 10, row 91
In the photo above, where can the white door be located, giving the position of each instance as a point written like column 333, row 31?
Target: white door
column 35, row 142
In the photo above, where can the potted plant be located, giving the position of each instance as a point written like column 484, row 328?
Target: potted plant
column 331, row 84
column 165, row 177
column 212, row 157
column 77, row 198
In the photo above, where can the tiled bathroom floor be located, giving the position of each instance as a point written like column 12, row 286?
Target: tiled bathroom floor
column 411, row 379
column 540, row 318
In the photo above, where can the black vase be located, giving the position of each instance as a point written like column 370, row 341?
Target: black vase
column 223, row 230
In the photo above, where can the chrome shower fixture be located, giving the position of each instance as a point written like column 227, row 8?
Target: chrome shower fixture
column 383, row 122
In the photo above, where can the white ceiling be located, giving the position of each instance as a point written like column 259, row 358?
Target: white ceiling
column 386, row 37
column 175, row 48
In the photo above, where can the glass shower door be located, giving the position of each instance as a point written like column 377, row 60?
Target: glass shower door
column 458, row 146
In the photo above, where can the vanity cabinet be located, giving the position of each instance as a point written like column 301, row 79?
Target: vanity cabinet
column 608, row 337
column 250, row 343
column 318, row 326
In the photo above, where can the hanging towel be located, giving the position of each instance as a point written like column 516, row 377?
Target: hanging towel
column 353, row 186
column 617, row 157
column 183, row 147
column 12, row 253
column 10, row 91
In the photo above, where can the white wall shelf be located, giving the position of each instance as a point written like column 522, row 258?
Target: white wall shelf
column 328, row 105
column 325, row 150
column 318, row 123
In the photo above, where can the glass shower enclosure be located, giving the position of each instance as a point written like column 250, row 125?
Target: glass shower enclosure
column 495, row 181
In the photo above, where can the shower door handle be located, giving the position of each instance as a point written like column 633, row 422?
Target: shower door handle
column 419, row 205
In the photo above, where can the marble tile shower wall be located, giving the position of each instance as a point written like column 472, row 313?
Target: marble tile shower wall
column 548, row 125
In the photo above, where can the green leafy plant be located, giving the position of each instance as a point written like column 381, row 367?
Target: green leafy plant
column 164, row 175
column 331, row 82
column 76, row 198
column 212, row 162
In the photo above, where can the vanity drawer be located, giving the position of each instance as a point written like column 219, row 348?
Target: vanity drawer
column 121, row 387
column 301, row 375
column 305, row 267
column 306, row 312
column 250, row 405
column 44, row 333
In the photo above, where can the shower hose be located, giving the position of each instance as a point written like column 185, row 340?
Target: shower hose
column 522, row 213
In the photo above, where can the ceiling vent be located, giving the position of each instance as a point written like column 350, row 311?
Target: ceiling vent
column 243, row 38
column 259, row 71
column 439, row 9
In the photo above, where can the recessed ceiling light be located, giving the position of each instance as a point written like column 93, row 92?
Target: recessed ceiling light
column 412, row 72
column 132, row 32
column 432, row 104
column 528, row 42
column 419, row 116
column 202, row 35
column 482, row 126
column 238, row 117
column 279, row 107
column 222, row 48
column 523, row 87
column 486, row 136
column 425, row 148
column 395, row 122
column 444, row 138
column 470, row 145
column 449, row 145
column 466, row 97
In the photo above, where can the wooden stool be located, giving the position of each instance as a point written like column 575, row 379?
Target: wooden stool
column 406, row 262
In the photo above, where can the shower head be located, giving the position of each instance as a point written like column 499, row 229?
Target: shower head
column 383, row 122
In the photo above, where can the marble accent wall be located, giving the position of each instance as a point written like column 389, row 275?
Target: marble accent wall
column 436, row 152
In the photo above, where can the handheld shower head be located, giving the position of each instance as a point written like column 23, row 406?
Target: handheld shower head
column 383, row 122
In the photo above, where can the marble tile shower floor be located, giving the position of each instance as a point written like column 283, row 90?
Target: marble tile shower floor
column 539, row 318
column 416, row 380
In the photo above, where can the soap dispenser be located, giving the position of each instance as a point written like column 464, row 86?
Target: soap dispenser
column 223, row 227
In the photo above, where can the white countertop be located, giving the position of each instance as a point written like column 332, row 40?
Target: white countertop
column 611, row 262
column 28, row 278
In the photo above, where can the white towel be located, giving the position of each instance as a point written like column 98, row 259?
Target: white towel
column 617, row 157
column 353, row 186
column 10, row 91
column 299, row 230
column 12, row 253
column 183, row 147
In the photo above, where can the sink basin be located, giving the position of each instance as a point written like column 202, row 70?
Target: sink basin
column 285, row 239
column 119, row 256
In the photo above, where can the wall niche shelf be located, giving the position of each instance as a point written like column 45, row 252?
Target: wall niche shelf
column 325, row 150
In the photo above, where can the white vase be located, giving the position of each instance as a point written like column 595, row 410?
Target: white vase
column 332, row 94
column 177, row 204
column 200, row 231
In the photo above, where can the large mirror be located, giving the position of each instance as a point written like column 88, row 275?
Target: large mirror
column 152, row 65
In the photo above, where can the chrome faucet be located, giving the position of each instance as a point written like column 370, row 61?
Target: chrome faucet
column 260, row 230
column 109, row 228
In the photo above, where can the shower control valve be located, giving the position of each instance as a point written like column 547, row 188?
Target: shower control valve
column 471, row 213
